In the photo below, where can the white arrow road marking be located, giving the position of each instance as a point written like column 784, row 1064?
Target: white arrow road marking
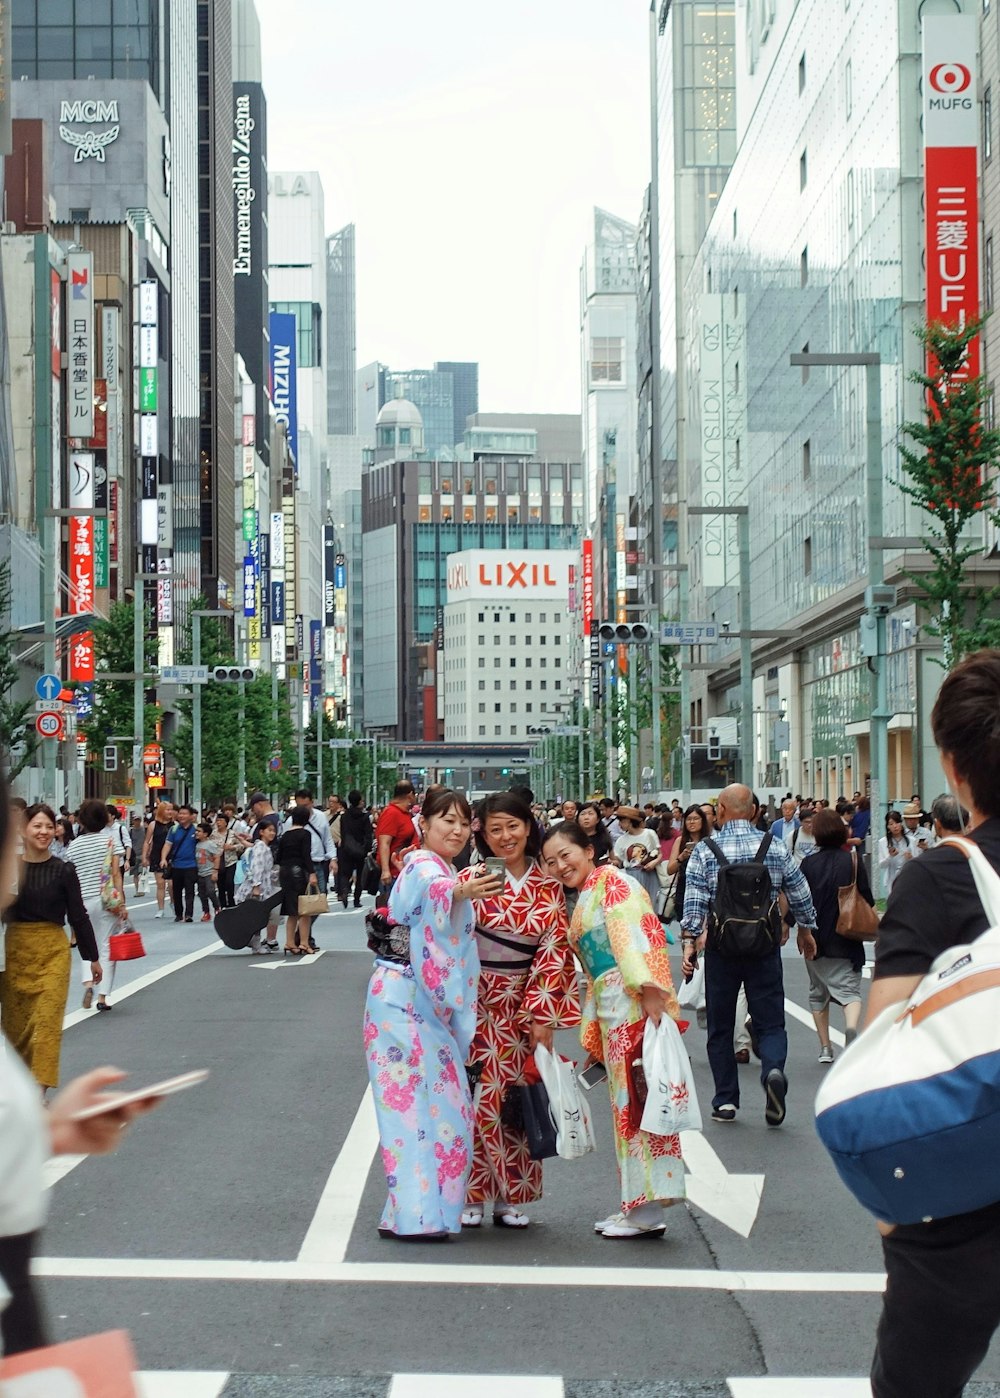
column 732, row 1199
column 191, row 1382
column 285, row 964
column 333, row 1222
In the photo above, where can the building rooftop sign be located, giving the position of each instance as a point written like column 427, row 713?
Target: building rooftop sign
column 89, row 144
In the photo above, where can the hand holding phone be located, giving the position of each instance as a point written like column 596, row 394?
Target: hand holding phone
column 115, row 1101
column 593, row 1075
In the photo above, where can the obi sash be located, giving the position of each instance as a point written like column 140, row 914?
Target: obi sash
column 509, row 954
column 595, row 954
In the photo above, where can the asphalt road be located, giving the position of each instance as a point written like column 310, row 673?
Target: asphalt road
column 201, row 1236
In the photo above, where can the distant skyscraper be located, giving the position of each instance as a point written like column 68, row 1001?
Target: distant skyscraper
column 340, row 333
column 465, row 391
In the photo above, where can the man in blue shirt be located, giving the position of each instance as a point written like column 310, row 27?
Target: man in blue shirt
column 739, row 842
column 787, row 823
column 179, row 850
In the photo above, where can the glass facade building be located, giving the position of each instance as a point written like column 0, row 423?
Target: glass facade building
column 433, row 392
column 90, row 38
column 341, row 324
column 465, row 392
column 811, row 241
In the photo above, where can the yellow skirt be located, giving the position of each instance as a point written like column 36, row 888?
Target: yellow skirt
column 33, row 991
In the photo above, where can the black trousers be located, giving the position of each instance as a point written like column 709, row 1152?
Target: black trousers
column 227, row 885
column 348, row 872
column 21, row 1324
column 941, row 1305
column 184, row 881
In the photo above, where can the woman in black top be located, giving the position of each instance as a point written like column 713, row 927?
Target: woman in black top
column 296, row 875
column 35, row 982
column 835, row 973
column 695, row 828
column 152, row 850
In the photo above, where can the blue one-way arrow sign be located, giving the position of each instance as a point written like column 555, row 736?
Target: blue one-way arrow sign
column 48, row 687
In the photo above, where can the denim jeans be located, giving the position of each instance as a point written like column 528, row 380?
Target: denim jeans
column 765, row 990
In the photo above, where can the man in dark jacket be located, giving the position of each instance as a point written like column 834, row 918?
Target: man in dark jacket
column 355, row 845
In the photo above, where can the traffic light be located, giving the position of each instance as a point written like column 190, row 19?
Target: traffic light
column 232, row 674
column 714, row 747
column 111, row 758
column 625, row 633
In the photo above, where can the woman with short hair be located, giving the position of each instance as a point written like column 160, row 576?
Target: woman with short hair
column 296, row 876
column 420, row 1018
column 527, row 990
column 152, row 850
column 835, row 971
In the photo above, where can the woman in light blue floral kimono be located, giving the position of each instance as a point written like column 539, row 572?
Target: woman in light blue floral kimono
column 419, row 1021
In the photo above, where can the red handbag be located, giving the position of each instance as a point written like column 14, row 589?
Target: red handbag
column 125, row 946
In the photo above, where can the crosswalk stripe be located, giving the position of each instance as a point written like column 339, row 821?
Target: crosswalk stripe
column 800, row 1388
column 483, row 1385
column 192, row 1383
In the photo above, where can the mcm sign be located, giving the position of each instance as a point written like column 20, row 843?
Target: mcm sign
column 89, row 145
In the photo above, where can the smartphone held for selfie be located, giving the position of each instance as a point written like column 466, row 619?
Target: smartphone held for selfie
column 497, row 868
column 593, row 1075
column 167, row 1088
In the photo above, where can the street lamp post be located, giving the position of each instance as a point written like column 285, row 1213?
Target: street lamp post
column 872, row 365
column 742, row 514
column 196, row 616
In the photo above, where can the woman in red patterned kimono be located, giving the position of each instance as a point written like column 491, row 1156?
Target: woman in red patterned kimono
column 527, row 989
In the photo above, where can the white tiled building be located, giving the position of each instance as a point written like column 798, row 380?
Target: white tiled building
column 508, row 642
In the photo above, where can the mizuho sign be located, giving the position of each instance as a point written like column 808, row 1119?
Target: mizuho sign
column 89, row 144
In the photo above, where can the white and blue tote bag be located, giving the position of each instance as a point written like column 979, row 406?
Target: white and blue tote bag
column 911, row 1112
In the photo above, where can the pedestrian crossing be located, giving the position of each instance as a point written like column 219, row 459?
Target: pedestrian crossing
column 201, row 1384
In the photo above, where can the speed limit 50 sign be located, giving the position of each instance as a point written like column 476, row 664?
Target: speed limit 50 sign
column 49, row 724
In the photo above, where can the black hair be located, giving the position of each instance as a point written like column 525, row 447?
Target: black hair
column 300, row 815
column 441, row 801
column 354, row 798
column 828, row 830
column 686, row 839
column 405, row 788
column 601, row 840
column 507, row 803
column 305, row 793
column 39, row 808
column 965, row 722
column 573, row 832
column 93, row 816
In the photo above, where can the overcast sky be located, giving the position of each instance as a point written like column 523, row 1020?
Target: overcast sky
column 468, row 141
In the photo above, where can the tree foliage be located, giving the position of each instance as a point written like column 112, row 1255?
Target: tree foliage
column 114, row 700
column 18, row 738
column 950, row 469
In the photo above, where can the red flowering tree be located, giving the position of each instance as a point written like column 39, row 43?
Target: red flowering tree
column 951, row 470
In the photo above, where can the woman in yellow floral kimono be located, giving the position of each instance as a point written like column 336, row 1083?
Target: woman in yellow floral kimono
column 622, row 945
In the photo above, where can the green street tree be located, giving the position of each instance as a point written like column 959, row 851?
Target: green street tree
column 18, row 738
column 266, row 730
column 114, row 700
column 951, row 475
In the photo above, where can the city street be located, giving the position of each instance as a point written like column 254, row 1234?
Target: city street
column 234, row 1234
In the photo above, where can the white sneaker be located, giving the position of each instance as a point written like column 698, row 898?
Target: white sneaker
column 158, row 913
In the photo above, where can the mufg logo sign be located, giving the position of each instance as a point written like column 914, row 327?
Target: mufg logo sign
column 88, row 144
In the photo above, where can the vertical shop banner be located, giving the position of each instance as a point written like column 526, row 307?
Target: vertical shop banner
column 329, row 576
column 588, row 585
column 722, row 392
column 284, row 389
column 80, row 344
column 101, row 560
column 249, row 592
column 264, row 591
column 55, row 321
column 315, row 664
column 951, row 172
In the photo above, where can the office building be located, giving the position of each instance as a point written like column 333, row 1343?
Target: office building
column 414, row 514
column 807, row 192
column 297, row 243
column 464, row 392
column 341, row 330
column 506, row 663
column 556, row 436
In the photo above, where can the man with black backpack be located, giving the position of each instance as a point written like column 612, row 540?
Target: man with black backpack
column 731, row 895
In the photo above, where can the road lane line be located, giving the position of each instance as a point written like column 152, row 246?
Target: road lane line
column 333, row 1222
column 57, row 1167
column 193, row 1383
column 804, row 1017
column 771, row 1387
column 399, row 1273
column 482, row 1385
column 141, row 982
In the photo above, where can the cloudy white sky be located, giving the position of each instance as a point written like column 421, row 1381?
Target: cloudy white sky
column 468, row 141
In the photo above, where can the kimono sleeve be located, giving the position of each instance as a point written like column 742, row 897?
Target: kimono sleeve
column 443, row 955
column 551, row 996
column 637, row 938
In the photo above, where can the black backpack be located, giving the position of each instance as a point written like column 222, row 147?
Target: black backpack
column 743, row 918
